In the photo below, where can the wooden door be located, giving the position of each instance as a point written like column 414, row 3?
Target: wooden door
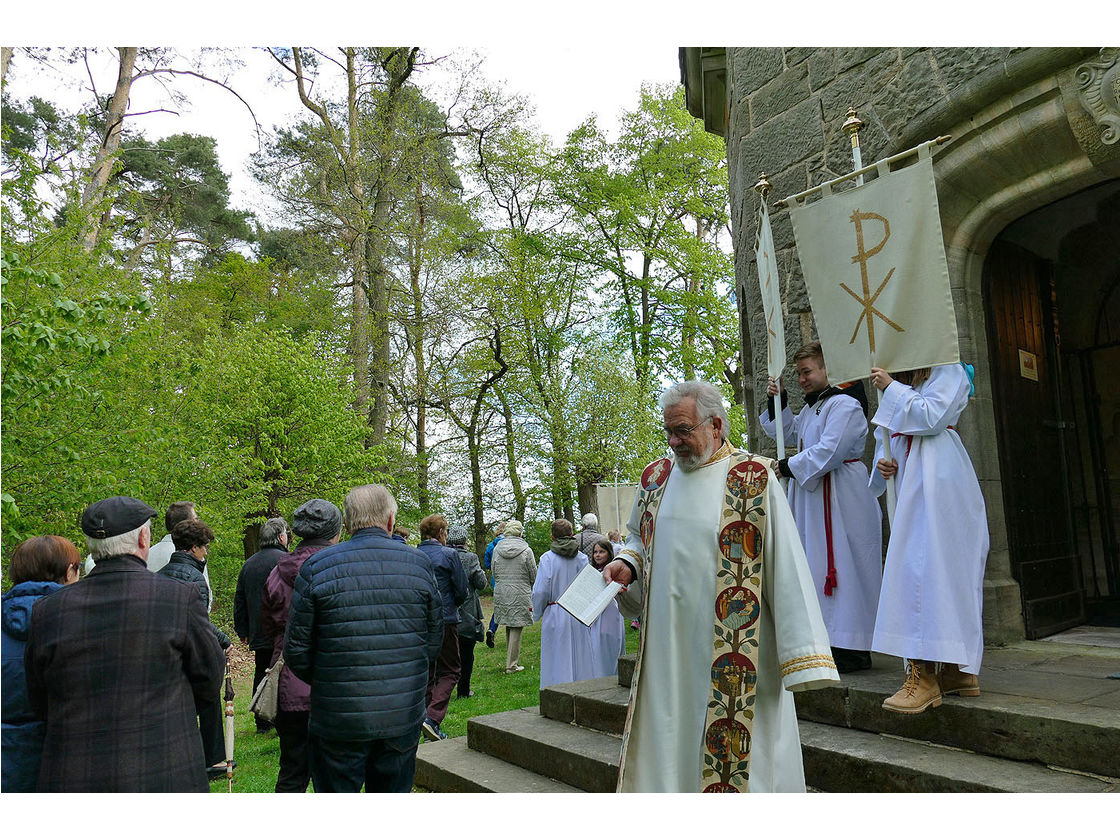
column 1032, row 434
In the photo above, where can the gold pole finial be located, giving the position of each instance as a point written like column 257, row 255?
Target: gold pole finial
column 853, row 124
column 763, row 186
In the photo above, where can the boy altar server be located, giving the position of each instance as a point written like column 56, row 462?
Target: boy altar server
column 837, row 515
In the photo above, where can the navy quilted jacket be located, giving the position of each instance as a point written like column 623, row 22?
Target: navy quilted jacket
column 365, row 621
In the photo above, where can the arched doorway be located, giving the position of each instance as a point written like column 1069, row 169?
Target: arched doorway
column 1051, row 285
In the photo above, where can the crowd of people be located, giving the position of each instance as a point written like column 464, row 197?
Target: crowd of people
column 370, row 638
column 113, row 684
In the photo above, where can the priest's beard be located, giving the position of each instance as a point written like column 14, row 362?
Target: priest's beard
column 688, row 458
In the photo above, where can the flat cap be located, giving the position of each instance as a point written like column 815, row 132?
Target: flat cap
column 115, row 516
column 316, row 518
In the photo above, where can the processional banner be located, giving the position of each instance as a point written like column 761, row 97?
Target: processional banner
column 874, row 266
column 767, row 264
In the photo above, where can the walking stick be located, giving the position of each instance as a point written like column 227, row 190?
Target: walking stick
column 229, row 727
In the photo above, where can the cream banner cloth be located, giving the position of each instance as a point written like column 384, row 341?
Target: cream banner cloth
column 874, row 266
column 767, row 264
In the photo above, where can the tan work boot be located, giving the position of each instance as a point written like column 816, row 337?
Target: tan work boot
column 918, row 692
column 955, row 681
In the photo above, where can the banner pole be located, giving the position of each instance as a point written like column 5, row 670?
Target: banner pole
column 852, row 126
column 763, row 188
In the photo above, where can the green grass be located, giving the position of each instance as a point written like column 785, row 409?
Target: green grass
column 258, row 756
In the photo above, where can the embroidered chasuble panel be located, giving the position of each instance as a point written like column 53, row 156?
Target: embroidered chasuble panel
column 729, row 719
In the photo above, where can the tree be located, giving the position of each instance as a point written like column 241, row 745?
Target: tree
column 647, row 209
column 174, row 192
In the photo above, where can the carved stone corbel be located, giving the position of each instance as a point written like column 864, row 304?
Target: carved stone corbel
column 1098, row 83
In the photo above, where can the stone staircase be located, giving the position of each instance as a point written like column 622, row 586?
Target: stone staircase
column 1008, row 739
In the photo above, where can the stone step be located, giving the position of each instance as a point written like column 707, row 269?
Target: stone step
column 598, row 704
column 1064, row 731
column 1063, row 711
column 583, row 758
column 850, row 761
column 450, row 766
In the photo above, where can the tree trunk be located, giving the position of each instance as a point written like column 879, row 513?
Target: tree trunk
column 416, row 252
column 398, row 64
column 5, row 57
column 110, row 144
column 519, row 499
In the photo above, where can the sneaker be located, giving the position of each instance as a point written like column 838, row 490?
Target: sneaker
column 432, row 731
column 514, row 669
column 489, row 638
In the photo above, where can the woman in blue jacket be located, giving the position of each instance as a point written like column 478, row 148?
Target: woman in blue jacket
column 39, row 566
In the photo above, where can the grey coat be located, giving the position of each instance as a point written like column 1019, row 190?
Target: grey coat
column 470, row 611
column 515, row 570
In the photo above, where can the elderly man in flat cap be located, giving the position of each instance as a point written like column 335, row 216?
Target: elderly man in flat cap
column 117, row 664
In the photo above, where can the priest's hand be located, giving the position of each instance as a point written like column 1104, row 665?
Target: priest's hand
column 617, row 571
column 880, row 378
column 887, row 467
column 772, row 387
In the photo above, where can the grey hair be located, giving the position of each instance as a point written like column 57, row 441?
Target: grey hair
column 590, row 520
column 709, row 401
column 368, row 506
column 271, row 532
column 126, row 543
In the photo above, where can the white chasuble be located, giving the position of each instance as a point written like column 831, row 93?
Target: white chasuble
column 933, row 582
column 663, row 744
column 837, row 515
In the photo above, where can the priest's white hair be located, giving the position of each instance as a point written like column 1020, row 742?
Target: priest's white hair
column 709, row 401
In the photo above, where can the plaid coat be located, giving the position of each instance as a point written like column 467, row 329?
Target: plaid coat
column 115, row 664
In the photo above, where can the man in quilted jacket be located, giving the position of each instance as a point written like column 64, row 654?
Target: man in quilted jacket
column 366, row 621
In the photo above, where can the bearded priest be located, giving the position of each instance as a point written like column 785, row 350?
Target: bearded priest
column 731, row 622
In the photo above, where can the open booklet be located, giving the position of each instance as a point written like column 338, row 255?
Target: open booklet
column 588, row 595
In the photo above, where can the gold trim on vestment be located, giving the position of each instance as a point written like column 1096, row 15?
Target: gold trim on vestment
column 804, row 663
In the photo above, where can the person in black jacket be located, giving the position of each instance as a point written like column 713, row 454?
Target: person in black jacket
column 452, row 583
column 366, row 620
column 247, row 599
column 192, row 539
column 116, row 664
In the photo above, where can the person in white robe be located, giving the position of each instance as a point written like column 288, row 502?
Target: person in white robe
column 837, row 515
column 567, row 649
column 932, row 595
column 608, row 631
column 665, row 744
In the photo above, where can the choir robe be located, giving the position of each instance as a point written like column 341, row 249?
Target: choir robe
column 567, row 648
column 830, row 437
column 670, row 696
column 933, row 583
column 608, row 641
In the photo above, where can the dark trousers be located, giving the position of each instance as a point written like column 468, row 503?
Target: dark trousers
column 210, row 715
column 386, row 765
column 260, row 665
column 295, row 767
column 466, row 666
column 443, row 674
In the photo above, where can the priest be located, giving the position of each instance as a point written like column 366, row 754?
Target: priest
column 731, row 623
